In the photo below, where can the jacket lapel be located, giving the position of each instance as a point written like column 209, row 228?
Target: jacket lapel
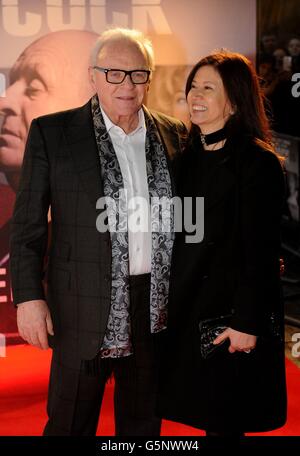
column 80, row 137
column 171, row 142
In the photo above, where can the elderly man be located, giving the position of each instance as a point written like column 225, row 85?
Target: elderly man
column 48, row 76
column 106, row 301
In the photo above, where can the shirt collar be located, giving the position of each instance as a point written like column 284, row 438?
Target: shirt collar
column 109, row 124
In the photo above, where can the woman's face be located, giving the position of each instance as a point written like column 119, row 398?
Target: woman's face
column 294, row 47
column 208, row 103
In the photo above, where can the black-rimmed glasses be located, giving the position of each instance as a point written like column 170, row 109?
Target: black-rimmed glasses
column 115, row 76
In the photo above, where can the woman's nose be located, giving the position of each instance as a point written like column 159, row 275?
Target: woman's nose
column 197, row 95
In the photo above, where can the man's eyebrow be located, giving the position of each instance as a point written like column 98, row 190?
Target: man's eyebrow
column 15, row 72
column 28, row 70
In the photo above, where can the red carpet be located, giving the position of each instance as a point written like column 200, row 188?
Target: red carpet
column 23, row 390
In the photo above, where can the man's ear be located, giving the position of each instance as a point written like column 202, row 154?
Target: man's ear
column 92, row 77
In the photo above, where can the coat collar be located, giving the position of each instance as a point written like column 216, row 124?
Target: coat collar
column 171, row 142
column 80, row 137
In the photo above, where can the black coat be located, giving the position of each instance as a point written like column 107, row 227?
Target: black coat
column 235, row 267
column 61, row 169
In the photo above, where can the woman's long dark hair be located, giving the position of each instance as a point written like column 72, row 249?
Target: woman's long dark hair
column 243, row 91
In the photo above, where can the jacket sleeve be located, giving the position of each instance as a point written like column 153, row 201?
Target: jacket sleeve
column 262, row 193
column 29, row 229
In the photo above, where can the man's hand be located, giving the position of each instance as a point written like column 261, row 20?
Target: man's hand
column 239, row 341
column 34, row 322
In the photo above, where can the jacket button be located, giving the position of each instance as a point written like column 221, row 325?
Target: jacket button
column 204, row 277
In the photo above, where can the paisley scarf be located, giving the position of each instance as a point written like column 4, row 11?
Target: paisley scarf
column 117, row 339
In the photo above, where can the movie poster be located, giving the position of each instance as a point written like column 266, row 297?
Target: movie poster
column 45, row 48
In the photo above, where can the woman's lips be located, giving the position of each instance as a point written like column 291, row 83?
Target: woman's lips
column 199, row 108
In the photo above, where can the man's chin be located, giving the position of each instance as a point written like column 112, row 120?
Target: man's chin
column 13, row 179
column 11, row 158
column 11, row 168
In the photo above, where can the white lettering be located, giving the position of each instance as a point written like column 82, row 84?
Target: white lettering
column 2, row 346
column 296, row 346
column 117, row 446
column 138, row 215
column 296, row 87
column 198, row 226
column 98, row 15
column 55, row 15
column 145, row 10
column 2, row 85
column 120, row 19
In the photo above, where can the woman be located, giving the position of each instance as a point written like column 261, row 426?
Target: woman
column 235, row 269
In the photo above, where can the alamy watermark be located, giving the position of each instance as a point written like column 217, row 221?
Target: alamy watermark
column 159, row 215
column 296, row 346
column 2, row 85
column 296, row 87
column 2, row 345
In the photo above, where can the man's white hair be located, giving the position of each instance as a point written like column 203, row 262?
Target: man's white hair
column 126, row 35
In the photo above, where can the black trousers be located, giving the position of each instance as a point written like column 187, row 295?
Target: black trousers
column 75, row 396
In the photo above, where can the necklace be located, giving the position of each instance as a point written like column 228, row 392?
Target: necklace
column 214, row 137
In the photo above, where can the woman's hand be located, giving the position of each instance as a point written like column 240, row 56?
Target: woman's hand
column 239, row 341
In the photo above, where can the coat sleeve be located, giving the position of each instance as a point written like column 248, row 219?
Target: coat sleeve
column 262, row 193
column 29, row 229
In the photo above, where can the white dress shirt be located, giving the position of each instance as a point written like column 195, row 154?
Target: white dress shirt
column 131, row 155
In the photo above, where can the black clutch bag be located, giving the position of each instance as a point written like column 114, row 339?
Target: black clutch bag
column 209, row 330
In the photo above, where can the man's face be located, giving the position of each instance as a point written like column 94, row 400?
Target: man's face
column 125, row 99
column 294, row 47
column 269, row 43
column 34, row 91
column 46, row 78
